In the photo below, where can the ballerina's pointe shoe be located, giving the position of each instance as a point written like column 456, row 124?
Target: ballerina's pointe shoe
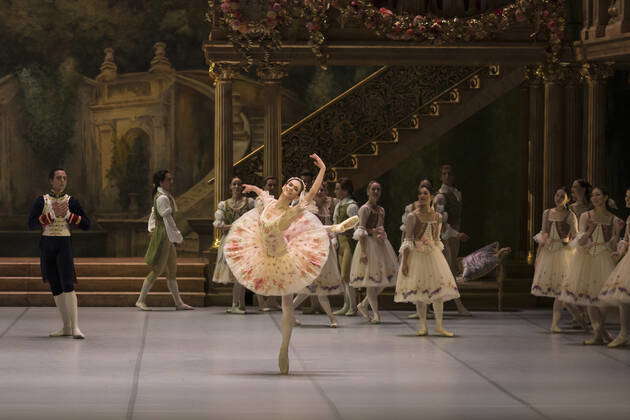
column 63, row 332
column 606, row 336
column 351, row 312
column 555, row 329
column 77, row 334
column 235, row 310
column 596, row 339
column 422, row 332
column 333, row 324
column 184, row 307
column 342, row 310
column 443, row 332
column 413, row 316
column 363, row 311
column 347, row 224
column 283, row 361
column 621, row 340
column 376, row 319
column 142, row 306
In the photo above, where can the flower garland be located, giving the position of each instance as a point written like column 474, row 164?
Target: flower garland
column 266, row 33
column 546, row 16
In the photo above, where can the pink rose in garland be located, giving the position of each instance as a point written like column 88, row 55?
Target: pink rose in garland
column 385, row 12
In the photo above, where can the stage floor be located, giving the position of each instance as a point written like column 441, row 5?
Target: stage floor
column 205, row 364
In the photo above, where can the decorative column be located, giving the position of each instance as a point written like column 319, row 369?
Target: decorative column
column 553, row 137
column 222, row 73
column 271, row 76
column 573, row 150
column 524, row 149
column 536, row 144
column 595, row 75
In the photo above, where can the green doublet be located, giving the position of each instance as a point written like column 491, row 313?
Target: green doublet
column 159, row 239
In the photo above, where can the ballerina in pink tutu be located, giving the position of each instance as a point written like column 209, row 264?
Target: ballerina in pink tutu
column 280, row 250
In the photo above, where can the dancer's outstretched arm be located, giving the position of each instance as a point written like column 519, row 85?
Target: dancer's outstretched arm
column 252, row 188
column 317, row 184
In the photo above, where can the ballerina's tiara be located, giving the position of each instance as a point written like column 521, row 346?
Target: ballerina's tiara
column 298, row 179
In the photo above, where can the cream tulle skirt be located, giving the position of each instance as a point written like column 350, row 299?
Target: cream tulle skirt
column 329, row 281
column 429, row 278
column 381, row 267
column 222, row 273
column 587, row 274
column 307, row 246
column 552, row 269
column 616, row 288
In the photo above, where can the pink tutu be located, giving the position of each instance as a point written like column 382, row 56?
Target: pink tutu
column 272, row 261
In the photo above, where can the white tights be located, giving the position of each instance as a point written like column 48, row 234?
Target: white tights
column 238, row 296
column 438, row 310
column 288, row 318
column 323, row 301
column 624, row 320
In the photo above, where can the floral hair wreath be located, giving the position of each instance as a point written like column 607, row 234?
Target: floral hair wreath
column 295, row 178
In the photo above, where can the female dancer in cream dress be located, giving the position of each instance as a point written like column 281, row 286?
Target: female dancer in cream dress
column 559, row 227
column 374, row 263
column 593, row 262
column 425, row 276
column 329, row 281
column 581, row 194
column 281, row 250
column 616, row 290
column 227, row 213
column 406, row 211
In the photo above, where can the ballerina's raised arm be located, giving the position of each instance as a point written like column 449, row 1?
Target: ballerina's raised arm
column 317, row 184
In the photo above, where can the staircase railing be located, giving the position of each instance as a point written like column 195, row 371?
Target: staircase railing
column 366, row 112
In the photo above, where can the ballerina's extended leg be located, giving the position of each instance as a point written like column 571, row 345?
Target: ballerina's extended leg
column 287, row 327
